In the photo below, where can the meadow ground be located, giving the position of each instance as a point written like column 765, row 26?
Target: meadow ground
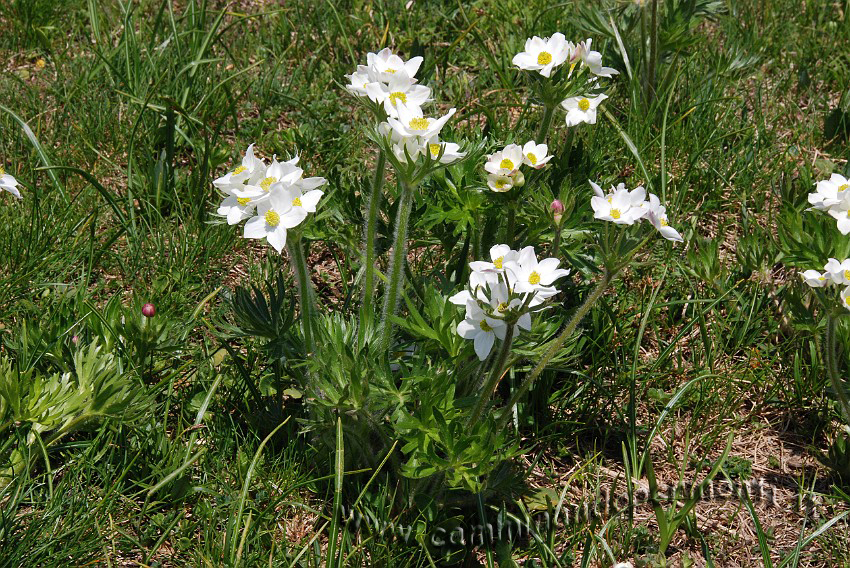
column 116, row 116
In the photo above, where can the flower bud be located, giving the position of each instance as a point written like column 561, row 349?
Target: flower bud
column 148, row 310
column 557, row 209
column 75, row 339
column 519, row 179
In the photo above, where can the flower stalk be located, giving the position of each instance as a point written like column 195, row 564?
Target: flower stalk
column 305, row 289
column 496, row 374
column 556, row 345
column 369, row 253
column 831, row 346
column 395, row 280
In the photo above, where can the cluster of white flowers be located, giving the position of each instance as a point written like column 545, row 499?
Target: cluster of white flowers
column 834, row 272
column 9, row 183
column 832, row 195
column 625, row 207
column 502, row 167
column 504, row 290
column 545, row 54
column 389, row 81
column 273, row 197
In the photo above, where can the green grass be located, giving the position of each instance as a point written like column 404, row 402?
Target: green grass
column 141, row 104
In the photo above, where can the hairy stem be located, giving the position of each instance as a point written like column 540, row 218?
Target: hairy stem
column 305, row 289
column 556, row 345
column 369, row 254
column 548, row 113
column 495, row 375
column 395, row 280
column 830, row 349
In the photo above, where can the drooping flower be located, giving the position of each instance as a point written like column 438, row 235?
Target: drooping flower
column 591, row 59
column 829, row 192
column 657, row 215
column 481, row 329
column 622, row 207
column 815, row 279
column 582, row 109
column 536, row 155
column 544, row 54
column 9, row 183
column 838, row 272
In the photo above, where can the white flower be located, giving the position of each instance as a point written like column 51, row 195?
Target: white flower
column 358, row 81
column 815, row 279
column 530, row 276
column 451, row 151
column 582, row 109
column 499, row 255
column 591, row 59
column 845, row 297
column 411, row 122
column 258, row 190
column 267, row 223
column 657, row 215
column 385, row 64
column 505, row 162
column 9, row 183
column 622, row 207
column 841, row 212
column 536, row 155
column 838, row 272
column 251, row 168
column 544, row 55
column 481, row 328
column 400, row 89
column 829, row 192
column 623, row 565
column 500, row 183
column 300, row 203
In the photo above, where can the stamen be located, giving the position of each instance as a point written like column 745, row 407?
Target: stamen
column 272, row 218
column 584, row 104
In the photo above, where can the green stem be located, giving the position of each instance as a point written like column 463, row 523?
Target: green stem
column 395, row 280
column 653, row 54
column 556, row 345
column 831, row 359
column 305, row 289
column 369, row 253
column 495, row 375
column 548, row 113
column 510, row 227
column 556, row 243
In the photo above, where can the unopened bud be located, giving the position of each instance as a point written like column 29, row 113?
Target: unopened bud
column 148, row 310
column 519, row 179
column 557, row 209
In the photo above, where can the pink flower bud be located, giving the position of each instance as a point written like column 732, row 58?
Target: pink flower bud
column 557, row 209
column 75, row 339
column 148, row 310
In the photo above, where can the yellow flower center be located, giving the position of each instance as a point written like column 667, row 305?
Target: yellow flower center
column 238, row 170
column 503, row 307
column 544, row 58
column 485, row 326
column 419, row 123
column 435, row 149
column 296, row 202
column 610, row 199
column 844, row 187
column 243, row 200
column 615, row 213
column 390, row 71
column 266, row 183
column 506, row 164
column 532, row 158
column 40, row 64
column 500, row 183
column 498, row 262
column 398, row 96
column 272, row 218
column 847, row 274
column 584, row 104
column 847, row 300
column 664, row 223
column 2, row 171
column 534, row 278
